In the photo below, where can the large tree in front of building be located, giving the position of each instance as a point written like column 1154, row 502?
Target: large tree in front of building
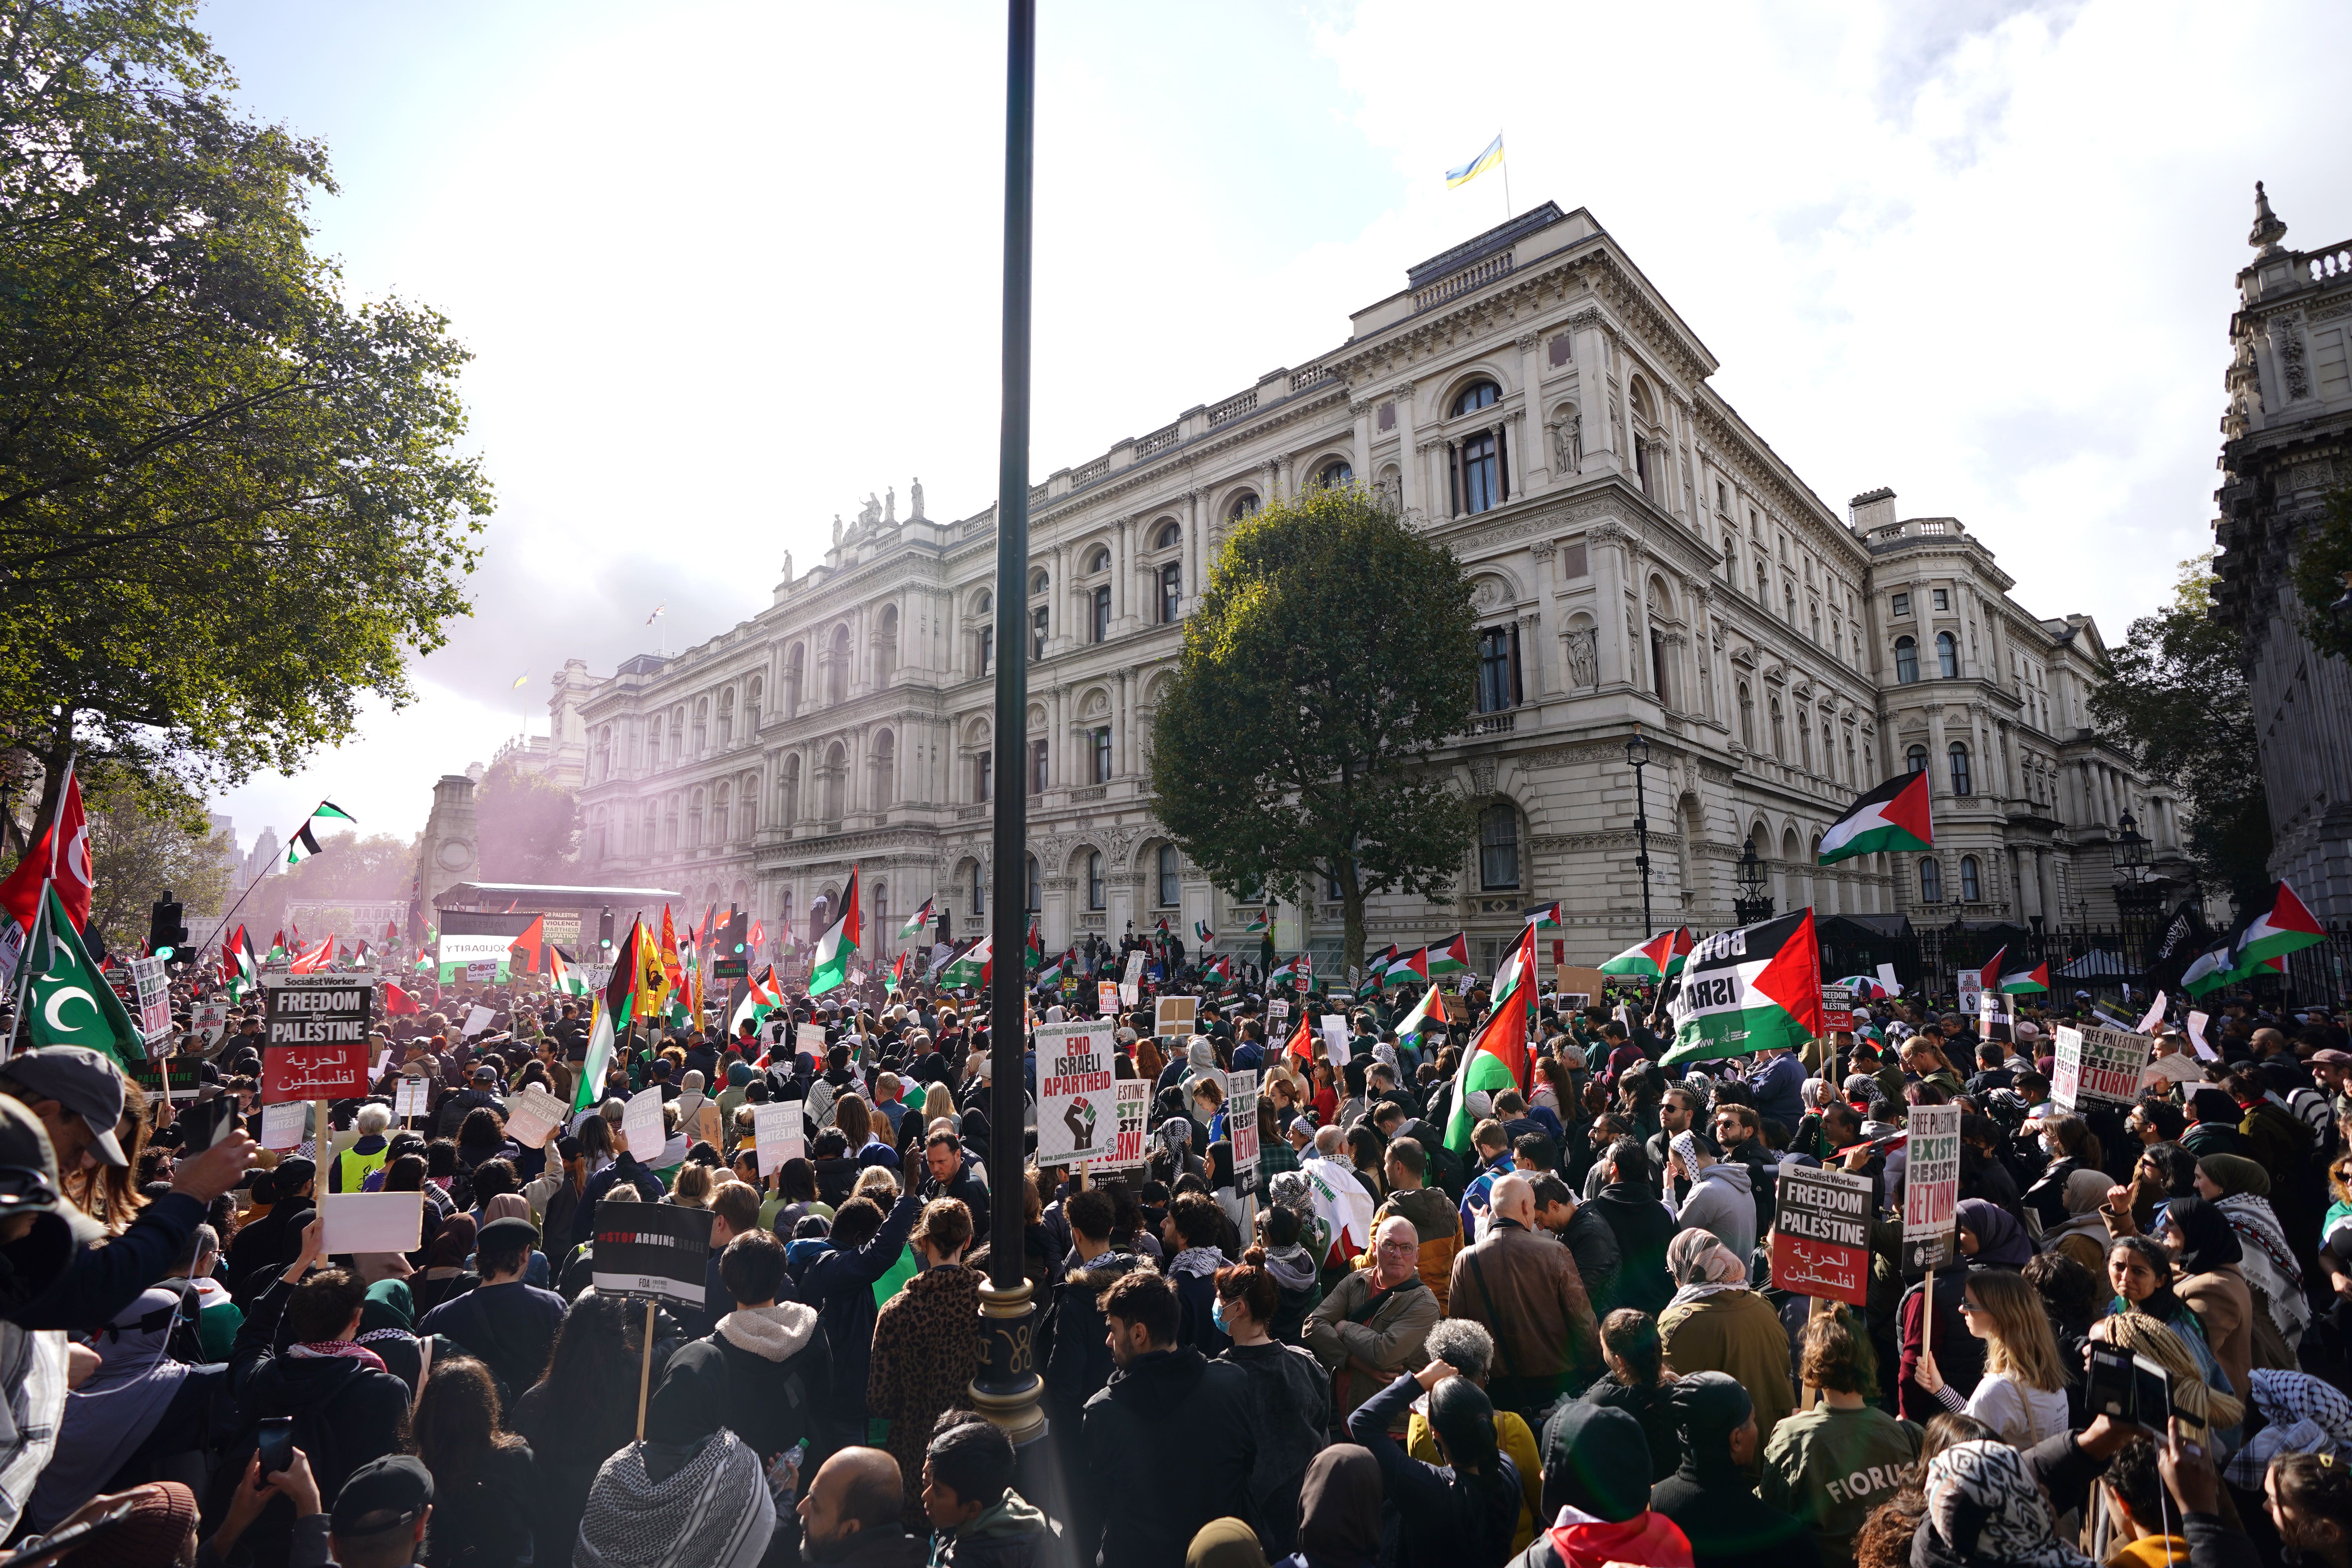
column 1332, row 650
column 231, row 504
column 528, row 825
column 2176, row 698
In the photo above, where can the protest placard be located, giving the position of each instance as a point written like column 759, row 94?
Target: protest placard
column 2197, row 1022
column 1240, row 1121
column 314, row 1037
column 2174, row 1066
column 154, row 991
column 1132, row 1106
column 1837, row 1008
column 1995, row 1021
column 655, row 1251
column 477, row 1021
column 2153, row 1016
column 2100, row 1065
column 283, row 1124
column 1073, row 1090
column 776, row 1134
column 1106, row 996
column 1820, row 1240
column 1174, row 1015
column 808, row 1040
column 1968, row 986
column 1129, row 995
column 1931, row 1188
column 1278, row 1009
column 710, row 1128
column 641, row 1125
column 1134, row 971
column 373, row 1222
column 532, row 1115
column 1334, row 1030
column 212, row 1023
column 410, row 1097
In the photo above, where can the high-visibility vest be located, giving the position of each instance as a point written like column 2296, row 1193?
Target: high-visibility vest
column 353, row 1167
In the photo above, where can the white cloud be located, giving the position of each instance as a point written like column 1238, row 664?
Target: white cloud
column 728, row 268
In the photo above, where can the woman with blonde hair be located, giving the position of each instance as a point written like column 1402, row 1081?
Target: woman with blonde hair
column 2022, row 1394
column 695, row 1181
column 2195, row 1400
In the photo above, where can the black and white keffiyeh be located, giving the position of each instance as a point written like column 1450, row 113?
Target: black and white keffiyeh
column 706, row 1514
column 1983, row 1505
column 2304, row 1416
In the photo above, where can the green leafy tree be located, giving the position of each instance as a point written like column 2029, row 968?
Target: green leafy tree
column 142, row 840
column 2323, row 574
column 230, row 506
column 529, row 826
column 1332, row 650
column 2176, row 698
column 347, row 866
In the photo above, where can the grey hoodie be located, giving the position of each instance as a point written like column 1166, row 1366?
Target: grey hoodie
column 1722, row 1201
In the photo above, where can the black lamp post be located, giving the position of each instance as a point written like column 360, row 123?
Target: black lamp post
column 1637, row 753
column 1752, row 905
column 2138, row 894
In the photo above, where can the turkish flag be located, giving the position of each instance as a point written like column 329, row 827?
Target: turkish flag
column 61, row 856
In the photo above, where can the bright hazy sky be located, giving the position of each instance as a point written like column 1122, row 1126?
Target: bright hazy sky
column 729, row 267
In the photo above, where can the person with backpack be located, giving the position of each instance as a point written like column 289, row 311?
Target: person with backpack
column 769, row 1354
column 509, row 1324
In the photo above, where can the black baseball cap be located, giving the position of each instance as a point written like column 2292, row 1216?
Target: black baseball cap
column 381, row 1495
column 84, row 1082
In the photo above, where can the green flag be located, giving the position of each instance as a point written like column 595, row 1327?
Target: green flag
column 71, row 1004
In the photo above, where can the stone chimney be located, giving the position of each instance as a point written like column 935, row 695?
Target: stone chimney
column 1871, row 508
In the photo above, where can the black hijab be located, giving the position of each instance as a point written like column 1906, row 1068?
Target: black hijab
column 1340, row 1506
column 2208, row 1239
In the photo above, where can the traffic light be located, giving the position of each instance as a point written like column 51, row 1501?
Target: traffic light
column 605, row 936
column 165, row 934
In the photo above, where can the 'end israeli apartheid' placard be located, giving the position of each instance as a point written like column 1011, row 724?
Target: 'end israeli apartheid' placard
column 1931, row 1188
column 650, row 1249
column 1074, row 1083
column 1820, row 1240
column 2098, row 1065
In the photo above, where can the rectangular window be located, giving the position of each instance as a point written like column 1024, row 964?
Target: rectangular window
column 1102, row 754
column 1900, row 604
column 1038, row 633
column 1943, row 598
column 1036, row 767
column 1102, row 614
column 987, row 648
column 980, row 775
column 1499, row 669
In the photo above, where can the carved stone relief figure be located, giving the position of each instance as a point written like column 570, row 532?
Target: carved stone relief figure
column 1583, row 659
column 1568, row 441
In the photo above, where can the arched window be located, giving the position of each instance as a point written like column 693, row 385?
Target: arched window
column 1916, row 759
column 1168, row 887
column 727, row 717
column 1102, row 612
column 1336, row 474
column 1099, row 560
column 751, row 708
column 1959, row 755
column 1172, row 594
column 1476, row 475
column 1746, row 716
column 1907, row 662
column 1971, row 883
column 1039, row 581
column 1779, row 734
column 886, row 770
column 1040, row 622
column 1804, row 741
column 1037, row 760
column 1169, row 536
column 1099, row 745
column 1095, row 880
column 1476, row 395
column 1499, row 847
column 984, row 604
column 1243, row 505
column 1948, row 656
column 1030, row 865
column 979, row 882
column 1931, row 882
column 980, row 766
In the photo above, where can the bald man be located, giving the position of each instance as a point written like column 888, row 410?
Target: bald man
column 1371, row 1325
column 1524, row 1287
column 851, row 1510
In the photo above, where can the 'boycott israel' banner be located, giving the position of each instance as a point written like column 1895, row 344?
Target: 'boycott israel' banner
column 2098, row 1064
column 1931, row 1188
column 1074, row 1092
column 1820, row 1240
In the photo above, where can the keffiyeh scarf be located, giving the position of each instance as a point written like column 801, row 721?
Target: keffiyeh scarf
column 1701, row 1266
column 1983, row 1505
column 701, row 1515
column 2266, row 1262
column 2305, row 1416
column 1195, row 1261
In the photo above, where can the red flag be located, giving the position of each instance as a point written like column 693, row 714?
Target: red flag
column 1302, row 1044
column 534, row 938
column 1990, row 977
column 758, row 935
column 60, row 855
column 279, row 942
column 396, row 1001
column 318, row 958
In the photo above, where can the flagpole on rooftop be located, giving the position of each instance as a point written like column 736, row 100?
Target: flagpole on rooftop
column 1007, row 1387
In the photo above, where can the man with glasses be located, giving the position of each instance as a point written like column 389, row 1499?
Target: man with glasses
column 1370, row 1326
column 1680, row 1110
column 1741, row 1134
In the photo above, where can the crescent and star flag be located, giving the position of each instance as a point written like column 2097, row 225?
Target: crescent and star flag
column 829, row 969
column 1661, row 957
column 1894, row 816
column 1756, row 988
column 67, row 1003
column 60, row 857
column 917, row 920
column 758, row 935
column 1476, row 166
column 305, row 843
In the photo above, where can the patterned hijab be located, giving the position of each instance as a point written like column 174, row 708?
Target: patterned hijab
column 1983, row 1505
column 2304, row 1416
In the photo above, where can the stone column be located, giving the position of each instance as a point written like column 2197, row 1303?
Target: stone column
column 1545, row 553
column 1939, row 770
column 1535, row 465
column 1361, row 411
column 1601, row 450
column 1196, row 548
column 1607, row 541
column 1409, row 458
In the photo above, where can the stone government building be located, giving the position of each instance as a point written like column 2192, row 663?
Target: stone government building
column 1637, row 554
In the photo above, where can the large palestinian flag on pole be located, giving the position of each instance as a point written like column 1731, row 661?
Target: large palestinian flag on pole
column 1451, row 956
column 1757, row 988
column 2279, row 926
column 970, row 967
column 617, row 1001
column 1497, row 1058
column 829, row 970
column 1659, row 958
column 1892, row 816
column 305, row 842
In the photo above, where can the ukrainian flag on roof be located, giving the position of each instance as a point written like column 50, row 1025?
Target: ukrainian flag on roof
column 1478, row 165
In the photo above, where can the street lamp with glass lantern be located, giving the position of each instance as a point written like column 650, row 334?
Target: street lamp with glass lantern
column 1637, row 754
column 2137, row 894
column 1753, row 904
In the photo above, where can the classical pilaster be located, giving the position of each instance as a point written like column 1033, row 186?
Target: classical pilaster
column 1410, row 464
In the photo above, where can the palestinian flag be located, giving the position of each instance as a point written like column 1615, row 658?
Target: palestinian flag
column 1032, row 956
column 2210, row 970
column 67, row 1003
column 248, row 966
column 1754, row 989
column 1545, row 917
column 915, row 922
column 1432, row 1009
column 1201, row 932
column 1162, row 925
column 1865, row 988
column 1258, row 925
column 1287, row 974
column 1377, row 966
column 830, row 967
column 760, row 998
column 1892, row 816
column 1517, row 966
column 1451, row 956
column 1496, row 1060
column 970, row 967
column 1221, row 969
column 1049, row 975
column 566, row 983
column 1659, row 958
column 2281, row 926
column 305, row 842
column 898, row 972
column 618, row 1001
column 2034, row 979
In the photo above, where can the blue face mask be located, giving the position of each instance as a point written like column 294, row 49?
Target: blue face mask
column 1217, row 1315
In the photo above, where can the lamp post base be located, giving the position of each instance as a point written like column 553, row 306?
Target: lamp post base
column 1008, row 1388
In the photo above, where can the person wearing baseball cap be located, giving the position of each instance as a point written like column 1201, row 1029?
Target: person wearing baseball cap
column 380, row 1512
column 74, row 1096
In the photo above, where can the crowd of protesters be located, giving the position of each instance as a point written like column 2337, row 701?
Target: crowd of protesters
column 1550, row 1339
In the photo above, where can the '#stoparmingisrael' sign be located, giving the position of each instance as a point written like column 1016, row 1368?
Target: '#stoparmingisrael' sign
column 651, row 1249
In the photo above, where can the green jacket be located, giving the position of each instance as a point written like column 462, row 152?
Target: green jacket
column 1832, row 1468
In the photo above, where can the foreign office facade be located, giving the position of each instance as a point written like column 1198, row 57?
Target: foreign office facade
column 1637, row 554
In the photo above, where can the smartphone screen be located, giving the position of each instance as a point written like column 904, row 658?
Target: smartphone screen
column 276, row 1445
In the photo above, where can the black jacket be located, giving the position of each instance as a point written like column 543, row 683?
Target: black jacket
column 1169, row 1412
column 1729, row 1525
column 768, row 1403
column 1643, row 1227
column 1077, row 1357
column 1441, row 1515
column 1599, row 1258
column 840, row 1286
column 966, row 1186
